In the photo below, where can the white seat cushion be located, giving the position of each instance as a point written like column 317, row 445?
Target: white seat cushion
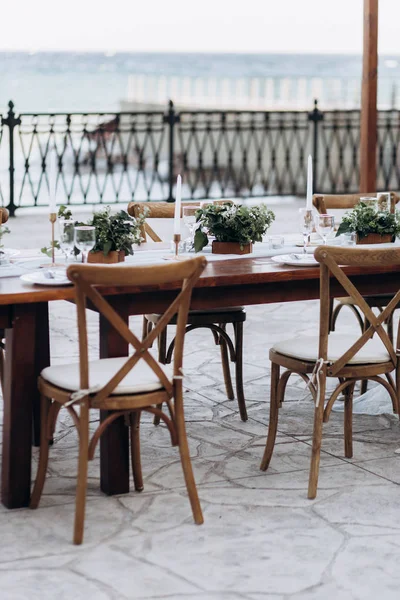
column 306, row 348
column 139, row 380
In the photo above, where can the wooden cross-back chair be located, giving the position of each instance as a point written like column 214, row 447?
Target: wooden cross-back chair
column 370, row 357
column 123, row 386
column 328, row 202
column 216, row 320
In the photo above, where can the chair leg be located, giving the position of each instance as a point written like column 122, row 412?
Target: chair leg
column 334, row 313
column 348, row 421
column 389, row 324
column 185, row 455
column 162, row 355
column 225, row 367
column 364, row 382
column 273, row 417
column 135, row 450
column 316, row 445
column 2, row 369
column 238, row 328
column 82, row 474
column 43, row 453
column 145, row 326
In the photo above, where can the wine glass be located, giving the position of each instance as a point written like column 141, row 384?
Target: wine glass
column 84, row 239
column 325, row 226
column 66, row 227
column 189, row 218
column 306, row 225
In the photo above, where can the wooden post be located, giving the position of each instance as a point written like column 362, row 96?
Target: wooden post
column 368, row 133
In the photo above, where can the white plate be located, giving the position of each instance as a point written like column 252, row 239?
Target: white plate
column 296, row 260
column 38, row 277
column 11, row 252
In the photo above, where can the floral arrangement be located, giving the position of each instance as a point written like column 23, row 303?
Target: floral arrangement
column 365, row 219
column 231, row 223
column 114, row 232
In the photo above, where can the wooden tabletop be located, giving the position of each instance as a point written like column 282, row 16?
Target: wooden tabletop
column 223, row 273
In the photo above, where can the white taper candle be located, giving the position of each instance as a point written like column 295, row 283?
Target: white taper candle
column 177, row 214
column 52, row 175
column 309, row 183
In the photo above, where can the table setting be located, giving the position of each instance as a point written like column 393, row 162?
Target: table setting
column 222, row 230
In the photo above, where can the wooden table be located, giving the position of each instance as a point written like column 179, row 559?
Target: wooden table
column 24, row 315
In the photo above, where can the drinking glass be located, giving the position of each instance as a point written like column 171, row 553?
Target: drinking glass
column 325, row 225
column 306, row 225
column 66, row 227
column 384, row 202
column 349, row 238
column 370, row 201
column 189, row 218
column 84, row 239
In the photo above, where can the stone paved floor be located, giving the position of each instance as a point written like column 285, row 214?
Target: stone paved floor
column 261, row 538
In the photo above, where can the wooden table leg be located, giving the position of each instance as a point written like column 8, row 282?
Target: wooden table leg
column 19, row 390
column 42, row 360
column 114, row 443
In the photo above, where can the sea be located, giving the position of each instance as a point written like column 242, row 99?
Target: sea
column 76, row 81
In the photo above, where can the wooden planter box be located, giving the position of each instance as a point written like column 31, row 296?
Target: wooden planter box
column 111, row 258
column 231, row 248
column 375, row 238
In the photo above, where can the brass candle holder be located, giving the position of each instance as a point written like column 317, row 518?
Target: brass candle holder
column 177, row 239
column 52, row 219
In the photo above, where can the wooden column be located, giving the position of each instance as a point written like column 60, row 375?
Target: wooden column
column 368, row 134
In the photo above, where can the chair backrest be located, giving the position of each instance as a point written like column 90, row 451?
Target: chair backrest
column 158, row 210
column 88, row 280
column 330, row 257
column 153, row 210
column 325, row 202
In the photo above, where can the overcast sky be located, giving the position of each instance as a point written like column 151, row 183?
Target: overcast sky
column 317, row 26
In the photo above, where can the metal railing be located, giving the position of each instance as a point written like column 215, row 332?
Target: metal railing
column 118, row 157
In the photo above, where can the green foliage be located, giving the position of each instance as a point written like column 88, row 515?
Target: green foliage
column 365, row 219
column 64, row 212
column 3, row 230
column 47, row 249
column 116, row 232
column 232, row 223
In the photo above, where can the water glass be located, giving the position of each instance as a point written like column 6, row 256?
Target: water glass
column 276, row 241
column 306, row 218
column 384, row 202
column 325, row 225
column 370, row 201
column 84, row 239
column 349, row 238
column 67, row 234
column 189, row 218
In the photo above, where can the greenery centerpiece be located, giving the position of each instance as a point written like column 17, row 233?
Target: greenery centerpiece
column 116, row 234
column 372, row 225
column 235, row 227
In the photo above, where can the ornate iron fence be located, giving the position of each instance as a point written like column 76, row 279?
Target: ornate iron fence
column 119, row 157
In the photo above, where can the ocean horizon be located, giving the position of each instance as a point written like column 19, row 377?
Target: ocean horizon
column 95, row 81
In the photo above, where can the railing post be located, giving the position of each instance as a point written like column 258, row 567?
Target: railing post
column 171, row 118
column 315, row 116
column 11, row 122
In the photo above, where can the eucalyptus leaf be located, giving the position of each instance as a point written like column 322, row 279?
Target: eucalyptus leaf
column 107, row 247
column 200, row 240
